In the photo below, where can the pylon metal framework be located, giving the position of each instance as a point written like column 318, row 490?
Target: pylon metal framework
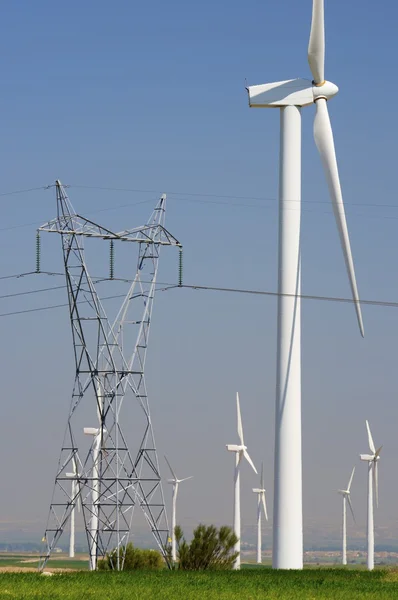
column 110, row 363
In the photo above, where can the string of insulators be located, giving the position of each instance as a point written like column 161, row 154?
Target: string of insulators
column 111, row 260
column 38, row 252
column 180, row 267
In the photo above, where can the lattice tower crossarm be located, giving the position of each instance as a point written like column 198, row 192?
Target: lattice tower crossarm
column 110, row 364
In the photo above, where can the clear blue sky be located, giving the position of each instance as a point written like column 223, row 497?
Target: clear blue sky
column 150, row 96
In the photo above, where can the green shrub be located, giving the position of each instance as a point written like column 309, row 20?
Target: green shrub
column 135, row 558
column 210, row 548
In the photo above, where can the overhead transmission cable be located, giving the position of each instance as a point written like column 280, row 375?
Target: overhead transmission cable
column 195, row 198
column 169, row 285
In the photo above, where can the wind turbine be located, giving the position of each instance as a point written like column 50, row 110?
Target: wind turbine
column 290, row 96
column 346, row 498
column 373, row 482
column 175, row 481
column 240, row 452
column 74, row 493
column 260, row 503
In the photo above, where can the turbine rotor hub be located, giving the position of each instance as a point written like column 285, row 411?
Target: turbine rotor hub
column 325, row 90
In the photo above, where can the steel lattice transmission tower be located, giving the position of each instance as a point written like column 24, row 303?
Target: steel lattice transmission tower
column 96, row 466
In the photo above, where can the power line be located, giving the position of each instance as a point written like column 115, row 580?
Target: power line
column 34, row 189
column 302, row 296
column 328, row 212
column 52, row 306
column 92, row 212
column 225, row 196
column 195, row 194
column 169, row 285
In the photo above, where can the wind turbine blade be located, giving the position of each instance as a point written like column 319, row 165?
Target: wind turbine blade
column 172, row 472
column 351, row 478
column 370, row 439
column 240, row 428
column 264, row 505
column 351, row 509
column 185, row 479
column 324, row 141
column 316, row 46
column 249, row 460
column 378, row 451
column 262, row 476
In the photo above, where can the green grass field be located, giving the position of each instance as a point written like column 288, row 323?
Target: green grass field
column 248, row 584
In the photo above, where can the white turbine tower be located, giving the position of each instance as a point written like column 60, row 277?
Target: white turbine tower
column 373, row 481
column 346, row 498
column 74, row 493
column 261, row 504
column 95, row 494
column 240, row 452
column 175, row 481
column 290, row 96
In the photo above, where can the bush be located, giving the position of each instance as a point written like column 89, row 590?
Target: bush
column 135, row 558
column 210, row 549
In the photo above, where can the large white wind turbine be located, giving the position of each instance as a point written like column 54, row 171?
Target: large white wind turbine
column 373, row 481
column 240, row 452
column 175, row 481
column 290, row 96
column 261, row 504
column 346, row 498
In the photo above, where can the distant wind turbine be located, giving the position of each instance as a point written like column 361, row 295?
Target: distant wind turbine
column 346, row 498
column 175, row 481
column 240, row 452
column 260, row 504
column 373, row 482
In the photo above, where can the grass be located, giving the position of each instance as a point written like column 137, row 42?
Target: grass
column 248, row 584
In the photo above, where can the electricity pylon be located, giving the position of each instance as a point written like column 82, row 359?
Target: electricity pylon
column 110, row 364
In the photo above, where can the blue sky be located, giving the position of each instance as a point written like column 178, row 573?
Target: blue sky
column 150, row 97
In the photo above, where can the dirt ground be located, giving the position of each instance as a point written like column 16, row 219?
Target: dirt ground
column 14, row 569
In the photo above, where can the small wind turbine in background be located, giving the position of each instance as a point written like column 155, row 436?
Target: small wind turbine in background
column 240, row 452
column 74, row 494
column 373, row 482
column 260, row 503
column 346, row 498
column 175, row 481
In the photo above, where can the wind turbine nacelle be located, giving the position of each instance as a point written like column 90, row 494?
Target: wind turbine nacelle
column 90, row 431
column 367, row 457
column 233, row 448
column 292, row 92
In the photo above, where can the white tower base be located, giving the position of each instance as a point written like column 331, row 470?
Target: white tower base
column 371, row 541
column 287, row 523
column 237, row 509
column 344, row 530
column 259, row 530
